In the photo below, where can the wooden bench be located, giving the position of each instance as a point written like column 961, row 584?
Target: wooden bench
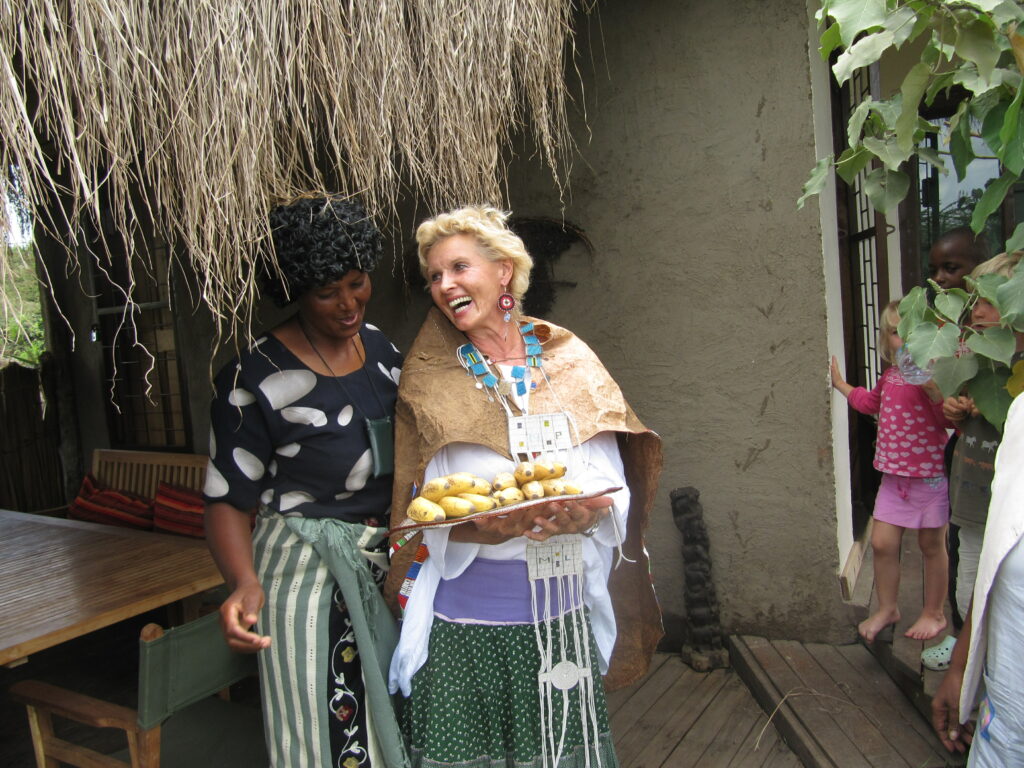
column 140, row 472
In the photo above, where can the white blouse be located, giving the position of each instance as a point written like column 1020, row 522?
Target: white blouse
column 594, row 465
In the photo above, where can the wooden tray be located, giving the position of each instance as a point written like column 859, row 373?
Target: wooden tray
column 410, row 526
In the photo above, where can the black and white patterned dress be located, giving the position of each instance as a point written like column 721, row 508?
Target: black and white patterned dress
column 293, row 443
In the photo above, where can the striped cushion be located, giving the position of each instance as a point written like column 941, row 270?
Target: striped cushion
column 178, row 510
column 106, row 505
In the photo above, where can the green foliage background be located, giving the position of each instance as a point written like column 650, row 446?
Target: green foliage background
column 21, row 329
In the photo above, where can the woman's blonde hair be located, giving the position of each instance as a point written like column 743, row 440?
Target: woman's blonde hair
column 495, row 241
column 888, row 321
column 1001, row 264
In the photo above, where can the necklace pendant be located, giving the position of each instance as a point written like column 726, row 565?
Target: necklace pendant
column 479, row 385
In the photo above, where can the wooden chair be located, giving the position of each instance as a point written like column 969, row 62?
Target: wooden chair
column 179, row 722
column 140, row 472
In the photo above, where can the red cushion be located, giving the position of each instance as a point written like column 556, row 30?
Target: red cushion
column 178, row 510
column 106, row 505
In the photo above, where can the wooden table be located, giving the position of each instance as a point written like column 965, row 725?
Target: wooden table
column 60, row 579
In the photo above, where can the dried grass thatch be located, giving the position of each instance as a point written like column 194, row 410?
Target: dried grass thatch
column 196, row 116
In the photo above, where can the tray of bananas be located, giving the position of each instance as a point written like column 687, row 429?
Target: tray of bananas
column 462, row 497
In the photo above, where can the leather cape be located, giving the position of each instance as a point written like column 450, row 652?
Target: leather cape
column 438, row 404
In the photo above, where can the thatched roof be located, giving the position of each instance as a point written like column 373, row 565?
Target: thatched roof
column 199, row 116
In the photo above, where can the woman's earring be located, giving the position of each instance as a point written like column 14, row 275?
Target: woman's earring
column 506, row 303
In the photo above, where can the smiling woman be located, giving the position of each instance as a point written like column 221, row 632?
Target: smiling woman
column 301, row 438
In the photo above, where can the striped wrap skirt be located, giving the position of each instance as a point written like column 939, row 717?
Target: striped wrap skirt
column 323, row 679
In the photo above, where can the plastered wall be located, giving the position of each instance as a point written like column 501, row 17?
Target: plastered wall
column 706, row 295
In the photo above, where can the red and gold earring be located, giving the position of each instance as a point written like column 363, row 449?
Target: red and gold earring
column 506, row 303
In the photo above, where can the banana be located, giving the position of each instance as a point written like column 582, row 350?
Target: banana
column 423, row 510
column 453, row 506
column 571, row 488
column 524, row 473
column 559, row 470
column 465, row 482
column 436, row 488
column 507, row 496
column 480, row 503
column 542, row 470
column 532, row 490
column 504, row 480
column 553, row 487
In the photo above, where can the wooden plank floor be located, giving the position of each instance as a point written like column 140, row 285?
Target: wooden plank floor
column 836, row 706
column 676, row 718
column 900, row 656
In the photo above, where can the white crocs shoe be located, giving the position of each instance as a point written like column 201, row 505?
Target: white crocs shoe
column 937, row 657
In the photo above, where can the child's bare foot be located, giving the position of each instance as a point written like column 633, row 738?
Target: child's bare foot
column 876, row 622
column 926, row 627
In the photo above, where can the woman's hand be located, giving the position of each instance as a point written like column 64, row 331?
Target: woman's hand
column 954, row 735
column 574, row 516
column 238, row 614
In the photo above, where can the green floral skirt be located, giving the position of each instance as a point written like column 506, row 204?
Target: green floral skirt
column 475, row 703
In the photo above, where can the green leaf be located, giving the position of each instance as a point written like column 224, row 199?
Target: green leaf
column 912, row 310
column 829, row 41
column 905, row 23
column 992, row 126
column 886, row 188
column 994, row 343
column 988, row 389
column 1010, row 299
column 855, row 124
column 816, row 181
column 864, row 52
column 933, row 158
column 1016, row 241
column 987, row 285
column 975, row 42
column 912, row 89
column 857, row 16
column 950, row 306
column 950, row 373
column 852, row 162
column 929, row 342
column 1001, row 11
column 888, row 151
column 969, row 78
column 991, row 200
column 940, row 82
column 960, row 147
column 1011, row 136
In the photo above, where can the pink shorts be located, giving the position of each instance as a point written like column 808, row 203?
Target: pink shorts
column 913, row 502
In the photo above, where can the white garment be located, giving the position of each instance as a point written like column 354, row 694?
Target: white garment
column 1003, row 530
column 594, row 465
column 999, row 734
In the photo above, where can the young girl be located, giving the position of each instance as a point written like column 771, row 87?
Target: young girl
column 914, row 491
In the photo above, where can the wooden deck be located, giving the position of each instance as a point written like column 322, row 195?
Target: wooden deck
column 836, row 706
column 678, row 718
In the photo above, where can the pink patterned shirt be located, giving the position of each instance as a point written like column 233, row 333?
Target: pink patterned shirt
column 911, row 428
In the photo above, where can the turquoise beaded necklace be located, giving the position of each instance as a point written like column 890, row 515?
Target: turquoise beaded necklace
column 478, row 366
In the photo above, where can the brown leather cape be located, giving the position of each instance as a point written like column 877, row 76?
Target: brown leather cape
column 438, row 404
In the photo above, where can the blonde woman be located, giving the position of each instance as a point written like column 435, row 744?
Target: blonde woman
column 500, row 661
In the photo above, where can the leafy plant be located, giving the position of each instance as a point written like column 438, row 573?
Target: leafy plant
column 972, row 45
column 938, row 335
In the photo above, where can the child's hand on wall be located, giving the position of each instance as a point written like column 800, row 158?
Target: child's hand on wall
column 837, row 379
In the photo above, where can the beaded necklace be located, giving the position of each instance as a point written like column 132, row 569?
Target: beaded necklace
column 478, row 366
